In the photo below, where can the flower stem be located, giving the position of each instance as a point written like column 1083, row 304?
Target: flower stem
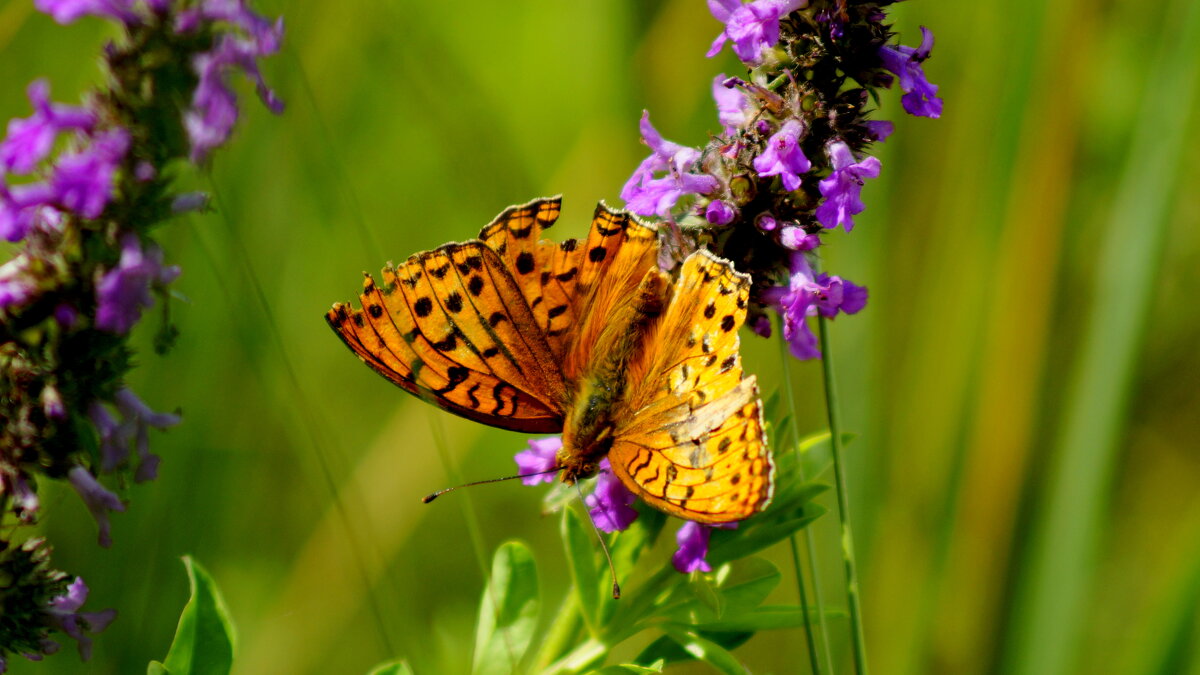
column 814, row 660
column 843, row 498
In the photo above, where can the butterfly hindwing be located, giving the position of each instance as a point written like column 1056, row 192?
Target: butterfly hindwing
column 691, row 437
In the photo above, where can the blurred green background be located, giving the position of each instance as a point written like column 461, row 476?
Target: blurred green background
column 1024, row 382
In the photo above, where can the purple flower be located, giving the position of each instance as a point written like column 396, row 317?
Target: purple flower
column 83, row 181
column 63, row 613
column 29, row 140
column 732, row 104
column 646, row 195
column 752, row 27
column 842, row 187
column 720, row 212
column 766, row 222
column 692, row 539
column 98, row 500
column 609, row 504
column 806, row 295
column 123, row 291
column 25, row 500
column 542, row 456
column 920, row 97
column 879, row 130
column 66, row 11
column 783, row 156
column 796, row 239
column 141, row 418
column 114, row 437
column 214, row 105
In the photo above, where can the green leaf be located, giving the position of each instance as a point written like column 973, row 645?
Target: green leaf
column 581, row 558
column 398, row 667
column 156, row 668
column 739, row 588
column 795, row 511
column 708, row 651
column 626, row 548
column 621, row 668
column 508, row 612
column 204, row 641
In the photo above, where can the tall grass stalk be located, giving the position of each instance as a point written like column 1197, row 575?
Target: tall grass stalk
column 809, row 546
column 857, row 639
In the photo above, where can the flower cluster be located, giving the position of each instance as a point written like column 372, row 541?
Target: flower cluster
column 792, row 156
column 81, row 188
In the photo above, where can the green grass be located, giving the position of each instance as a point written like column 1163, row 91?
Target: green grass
column 1024, row 483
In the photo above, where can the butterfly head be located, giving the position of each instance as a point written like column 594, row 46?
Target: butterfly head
column 581, row 454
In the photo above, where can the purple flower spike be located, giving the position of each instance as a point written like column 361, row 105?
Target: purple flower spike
column 29, row 140
column 609, row 504
column 842, row 188
column 783, row 156
column 66, row 11
column 732, row 104
column 692, row 539
column 98, row 500
column 63, row 612
column 646, row 195
column 122, row 292
column 752, row 27
column 542, row 455
column 25, row 207
column 83, row 181
column 920, row 97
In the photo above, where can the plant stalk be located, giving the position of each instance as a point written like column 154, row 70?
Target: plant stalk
column 843, row 498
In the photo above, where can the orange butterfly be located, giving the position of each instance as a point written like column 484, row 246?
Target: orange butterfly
column 590, row 339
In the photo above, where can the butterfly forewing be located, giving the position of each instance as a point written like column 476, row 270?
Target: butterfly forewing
column 410, row 335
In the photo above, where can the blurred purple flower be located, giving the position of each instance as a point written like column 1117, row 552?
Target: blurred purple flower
column 83, row 181
column 24, row 207
column 842, row 188
column 609, row 503
column 542, row 455
column 66, row 11
column 29, row 140
column 139, row 415
column 720, row 212
column 807, row 294
column 17, row 284
column 920, row 97
column 752, row 27
column 783, row 156
column 214, row 109
column 796, row 239
column 879, row 129
column 732, row 104
column 63, row 613
column 646, row 195
column 98, row 499
column 124, row 290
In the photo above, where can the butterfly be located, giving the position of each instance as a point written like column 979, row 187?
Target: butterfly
column 588, row 338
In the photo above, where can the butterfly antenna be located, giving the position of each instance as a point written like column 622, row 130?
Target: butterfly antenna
column 603, row 546
column 428, row 498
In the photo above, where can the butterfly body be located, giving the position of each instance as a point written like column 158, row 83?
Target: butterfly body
column 587, row 338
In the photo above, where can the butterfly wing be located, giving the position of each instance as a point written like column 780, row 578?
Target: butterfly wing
column 453, row 327
column 572, row 286
column 691, row 441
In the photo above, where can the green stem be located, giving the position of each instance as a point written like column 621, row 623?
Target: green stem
column 814, row 660
column 843, row 498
